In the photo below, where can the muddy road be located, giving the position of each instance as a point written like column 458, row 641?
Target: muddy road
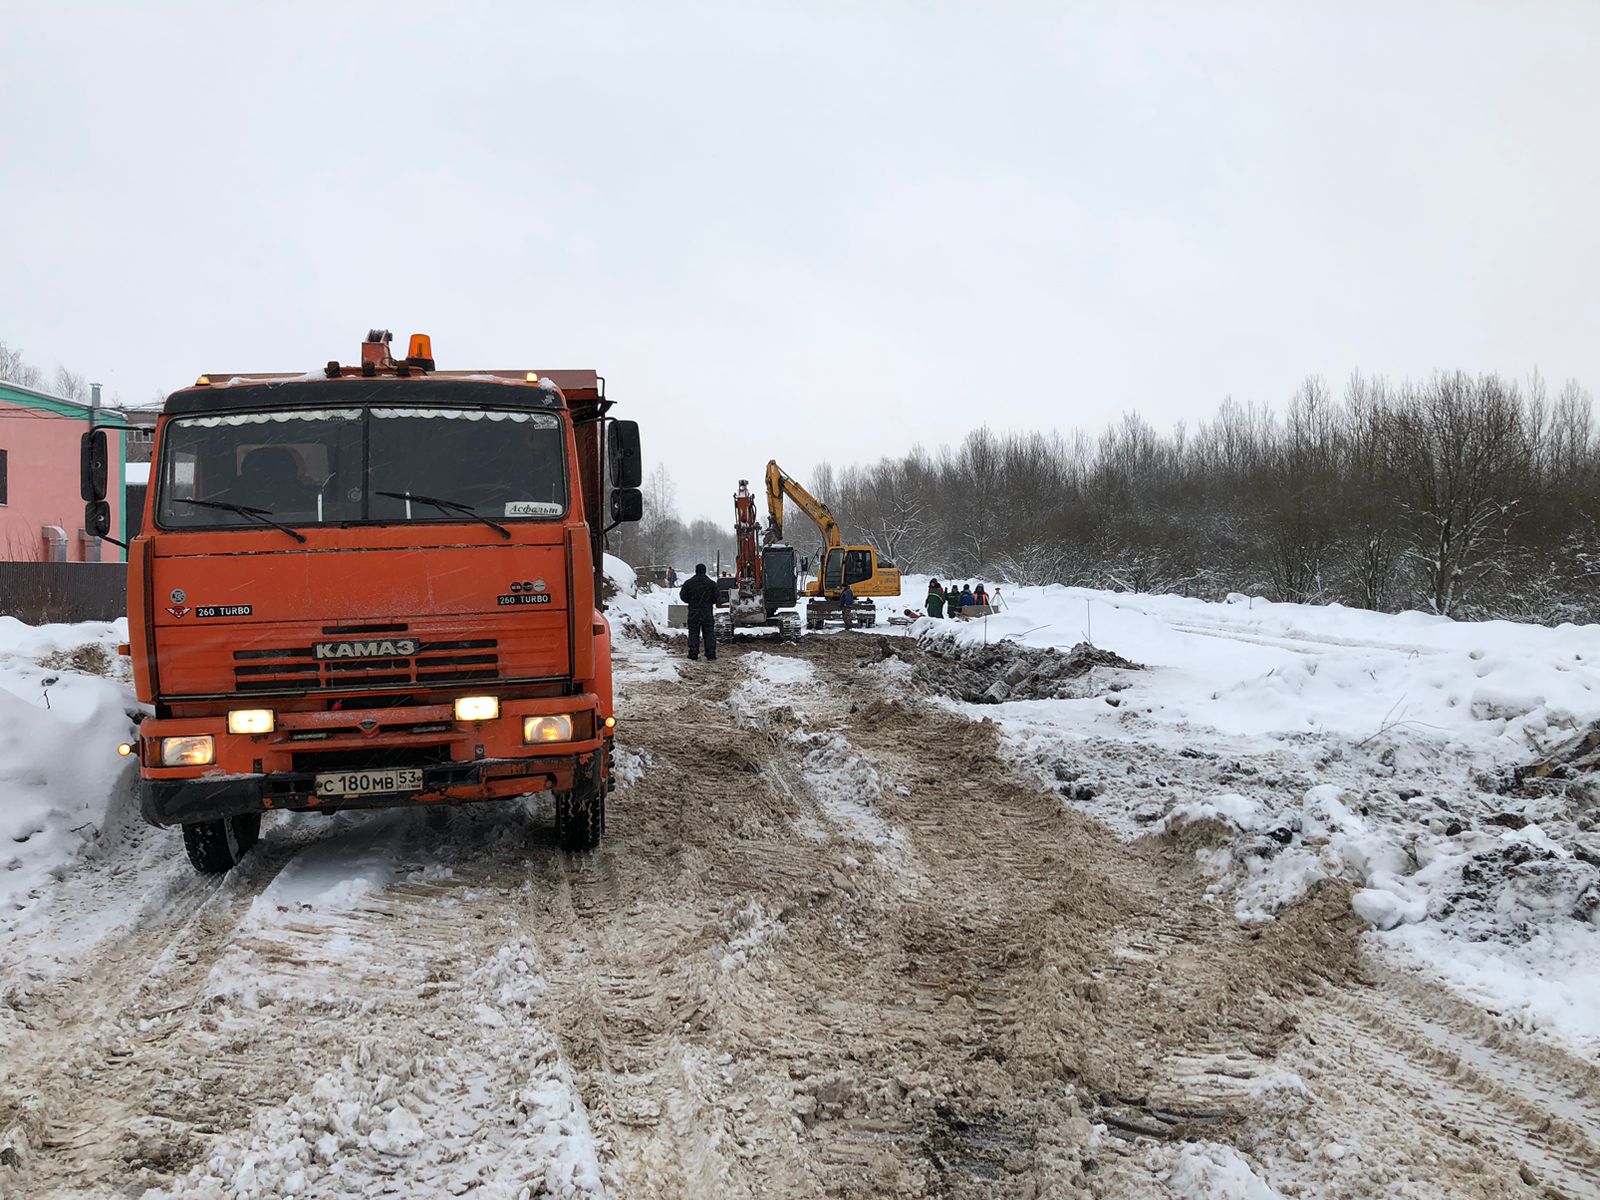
column 834, row 945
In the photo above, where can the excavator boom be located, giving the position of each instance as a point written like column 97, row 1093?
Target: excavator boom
column 781, row 484
column 858, row 566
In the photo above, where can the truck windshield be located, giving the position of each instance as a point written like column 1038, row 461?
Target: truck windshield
column 332, row 466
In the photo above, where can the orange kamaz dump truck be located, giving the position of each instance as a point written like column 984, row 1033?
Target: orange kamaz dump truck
column 373, row 586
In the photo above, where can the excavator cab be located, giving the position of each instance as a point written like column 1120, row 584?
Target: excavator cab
column 854, row 565
column 866, row 573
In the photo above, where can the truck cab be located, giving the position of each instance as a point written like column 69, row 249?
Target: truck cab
column 374, row 586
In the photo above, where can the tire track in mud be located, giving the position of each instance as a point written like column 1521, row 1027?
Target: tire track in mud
column 1499, row 1091
column 305, row 1033
column 99, row 1012
column 833, row 944
column 1041, row 943
column 943, row 1011
column 643, row 946
column 1096, row 975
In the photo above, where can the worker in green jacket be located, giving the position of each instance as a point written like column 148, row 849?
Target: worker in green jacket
column 935, row 599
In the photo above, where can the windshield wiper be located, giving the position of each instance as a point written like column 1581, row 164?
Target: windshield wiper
column 449, row 506
column 259, row 514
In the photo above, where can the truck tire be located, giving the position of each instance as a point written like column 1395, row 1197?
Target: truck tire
column 215, row 846
column 581, row 818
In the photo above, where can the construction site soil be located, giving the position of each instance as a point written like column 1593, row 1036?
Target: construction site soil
column 835, row 944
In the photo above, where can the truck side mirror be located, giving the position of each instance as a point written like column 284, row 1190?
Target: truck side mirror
column 97, row 518
column 624, row 457
column 627, row 504
column 92, row 460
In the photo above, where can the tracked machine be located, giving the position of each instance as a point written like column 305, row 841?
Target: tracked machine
column 763, row 593
column 859, row 566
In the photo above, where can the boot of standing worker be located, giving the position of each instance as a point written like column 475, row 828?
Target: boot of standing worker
column 700, row 594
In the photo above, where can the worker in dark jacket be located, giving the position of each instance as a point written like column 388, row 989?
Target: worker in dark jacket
column 700, row 594
column 935, row 599
column 979, row 596
column 847, row 603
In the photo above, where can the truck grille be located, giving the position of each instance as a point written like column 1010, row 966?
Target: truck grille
column 296, row 669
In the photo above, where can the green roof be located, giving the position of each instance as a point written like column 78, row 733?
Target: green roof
column 26, row 397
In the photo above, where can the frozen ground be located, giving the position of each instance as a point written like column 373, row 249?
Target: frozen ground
column 853, row 934
column 1330, row 743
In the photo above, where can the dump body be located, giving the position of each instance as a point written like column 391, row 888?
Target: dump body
column 347, row 561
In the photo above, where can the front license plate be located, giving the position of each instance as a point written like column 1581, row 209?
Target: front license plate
column 363, row 783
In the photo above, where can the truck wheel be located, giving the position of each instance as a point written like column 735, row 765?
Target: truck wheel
column 214, row 846
column 580, row 818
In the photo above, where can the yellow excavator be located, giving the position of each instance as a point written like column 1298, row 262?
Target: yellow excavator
column 859, row 566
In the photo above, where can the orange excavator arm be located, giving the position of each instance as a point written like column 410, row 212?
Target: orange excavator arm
column 747, row 569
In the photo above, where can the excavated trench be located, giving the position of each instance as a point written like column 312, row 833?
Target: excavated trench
column 999, row 671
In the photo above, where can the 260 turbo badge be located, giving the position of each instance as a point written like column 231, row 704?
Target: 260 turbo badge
column 525, row 592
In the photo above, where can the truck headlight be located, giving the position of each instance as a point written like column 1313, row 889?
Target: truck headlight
column 556, row 728
column 197, row 750
column 252, row 720
column 477, row 708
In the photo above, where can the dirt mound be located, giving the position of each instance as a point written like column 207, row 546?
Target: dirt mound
column 87, row 659
column 1005, row 670
column 1575, row 763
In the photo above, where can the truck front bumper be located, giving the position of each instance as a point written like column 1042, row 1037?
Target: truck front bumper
column 459, row 761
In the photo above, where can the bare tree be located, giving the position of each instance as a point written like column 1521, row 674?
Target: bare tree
column 1462, row 458
column 70, row 385
column 14, row 368
column 660, row 531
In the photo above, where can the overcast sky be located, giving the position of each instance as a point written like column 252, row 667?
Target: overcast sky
column 810, row 231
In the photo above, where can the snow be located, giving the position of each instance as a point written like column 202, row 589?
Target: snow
column 1212, row 1171
column 60, row 724
column 381, row 1113
column 1266, row 668
column 782, row 672
column 1309, row 744
column 1361, row 746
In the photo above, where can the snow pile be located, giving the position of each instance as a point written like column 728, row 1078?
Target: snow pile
column 63, row 711
column 779, row 671
column 748, row 928
column 1263, row 668
column 1212, row 1171
column 1285, row 744
column 1468, row 882
column 638, row 620
column 629, row 615
column 628, row 767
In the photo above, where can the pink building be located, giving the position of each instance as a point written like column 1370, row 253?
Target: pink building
column 41, row 508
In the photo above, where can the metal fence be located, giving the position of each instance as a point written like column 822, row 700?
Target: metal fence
column 41, row 592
